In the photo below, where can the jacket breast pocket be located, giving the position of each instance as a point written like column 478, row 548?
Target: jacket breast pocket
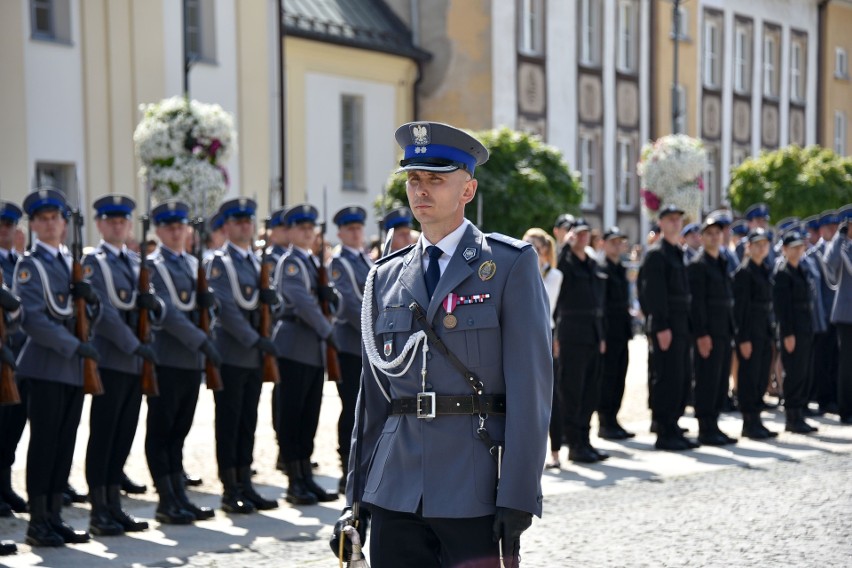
column 393, row 327
column 477, row 328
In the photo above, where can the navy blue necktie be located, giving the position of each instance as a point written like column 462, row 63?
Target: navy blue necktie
column 433, row 273
column 61, row 259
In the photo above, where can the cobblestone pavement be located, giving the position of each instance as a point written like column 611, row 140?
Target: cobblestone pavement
column 786, row 502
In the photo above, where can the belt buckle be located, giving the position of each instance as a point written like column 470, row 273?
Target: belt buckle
column 421, row 398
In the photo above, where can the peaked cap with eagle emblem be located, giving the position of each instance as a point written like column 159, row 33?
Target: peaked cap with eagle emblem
column 438, row 147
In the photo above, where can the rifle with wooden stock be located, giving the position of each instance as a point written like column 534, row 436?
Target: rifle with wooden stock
column 150, row 386
column 91, row 376
column 270, row 365
column 8, row 387
column 332, row 364
column 211, row 372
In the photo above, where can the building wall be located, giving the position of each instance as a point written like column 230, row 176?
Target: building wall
column 836, row 90
column 662, row 69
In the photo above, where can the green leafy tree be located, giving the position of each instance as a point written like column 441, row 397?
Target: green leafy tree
column 793, row 181
column 525, row 183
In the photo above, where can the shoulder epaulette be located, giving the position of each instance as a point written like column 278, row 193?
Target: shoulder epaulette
column 400, row 252
column 507, row 240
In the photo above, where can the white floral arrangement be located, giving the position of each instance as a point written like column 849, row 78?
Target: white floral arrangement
column 183, row 146
column 671, row 170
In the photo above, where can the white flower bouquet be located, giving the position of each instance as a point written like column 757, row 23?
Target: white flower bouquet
column 671, row 170
column 183, row 146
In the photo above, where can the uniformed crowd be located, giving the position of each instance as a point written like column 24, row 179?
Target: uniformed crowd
column 732, row 310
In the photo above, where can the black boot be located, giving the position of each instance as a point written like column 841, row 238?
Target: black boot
column 63, row 529
column 169, row 510
column 40, row 532
column 200, row 513
column 709, row 433
column 249, row 492
column 7, row 493
column 670, row 437
column 297, row 492
column 71, row 495
column 7, row 547
column 308, row 476
column 130, row 487
column 122, row 517
column 101, row 522
column 754, row 429
column 795, row 422
column 192, row 480
column 233, row 501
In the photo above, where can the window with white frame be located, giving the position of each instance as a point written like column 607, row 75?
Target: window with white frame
column 50, row 20
column 625, row 173
column 712, row 54
column 627, row 36
column 840, row 132
column 590, row 32
column 352, row 142
column 770, row 65
column 199, row 23
column 841, row 64
column 742, row 58
column 680, row 24
column 797, row 69
column 531, row 22
column 588, row 170
column 711, row 178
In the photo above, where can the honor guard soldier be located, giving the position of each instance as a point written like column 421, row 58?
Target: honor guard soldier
column 113, row 272
column 13, row 417
column 825, row 352
column 457, row 381
column 713, row 328
column 178, row 344
column 579, row 329
column 398, row 224
column 838, row 259
column 349, row 269
column 754, row 330
column 617, row 333
column 51, row 361
column 793, row 302
column 300, row 338
column 234, row 276
column 664, row 295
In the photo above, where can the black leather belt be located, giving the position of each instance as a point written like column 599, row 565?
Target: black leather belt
column 429, row 405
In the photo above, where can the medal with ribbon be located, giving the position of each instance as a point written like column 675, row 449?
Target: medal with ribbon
column 453, row 300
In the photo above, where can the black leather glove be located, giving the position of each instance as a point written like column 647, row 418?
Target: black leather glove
column 86, row 350
column 8, row 301
column 509, row 524
column 206, row 299
column 265, row 344
column 347, row 518
column 85, row 291
column 269, row 297
column 326, row 294
column 7, row 357
column 148, row 301
column 146, row 352
column 212, row 354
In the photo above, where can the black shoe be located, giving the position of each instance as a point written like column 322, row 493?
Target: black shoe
column 602, row 455
column 68, row 533
column 582, row 454
column 612, row 433
column 728, row 439
column 297, row 492
column 233, row 501
column 7, row 548
column 128, row 522
column 754, row 429
column 71, row 495
column 799, row 427
column 200, row 513
column 655, row 428
column 249, row 492
column 130, row 487
column 712, row 439
column 101, row 522
column 671, row 443
column 308, row 478
column 192, row 480
column 39, row 531
column 169, row 510
column 7, row 493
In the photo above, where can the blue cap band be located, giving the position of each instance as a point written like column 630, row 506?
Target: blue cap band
column 438, row 152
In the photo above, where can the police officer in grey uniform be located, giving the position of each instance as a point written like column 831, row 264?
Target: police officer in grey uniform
column 300, row 338
column 449, row 465
column 825, row 351
column 113, row 271
column 13, row 418
column 838, row 259
column 349, row 269
column 398, row 224
column 178, row 344
column 234, row 274
column 51, row 361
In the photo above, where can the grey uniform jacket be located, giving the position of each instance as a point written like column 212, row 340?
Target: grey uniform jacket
column 505, row 341
column 349, row 273
column 838, row 259
column 49, row 352
column 177, row 339
column 115, row 282
column 301, row 328
column 234, row 279
column 15, row 338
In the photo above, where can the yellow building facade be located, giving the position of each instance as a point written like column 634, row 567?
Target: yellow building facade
column 835, row 84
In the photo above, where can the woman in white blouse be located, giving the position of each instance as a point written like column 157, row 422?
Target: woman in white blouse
column 545, row 246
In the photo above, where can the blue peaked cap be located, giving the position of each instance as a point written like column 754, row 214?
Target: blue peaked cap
column 171, row 211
